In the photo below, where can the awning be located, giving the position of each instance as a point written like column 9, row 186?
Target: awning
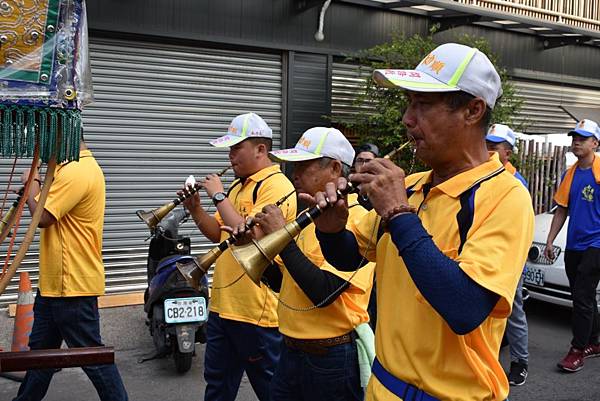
column 579, row 113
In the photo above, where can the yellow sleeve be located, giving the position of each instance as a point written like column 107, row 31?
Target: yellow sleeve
column 496, row 249
column 219, row 219
column 66, row 191
column 361, row 279
column 561, row 197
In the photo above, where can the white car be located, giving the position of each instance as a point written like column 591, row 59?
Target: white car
column 545, row 279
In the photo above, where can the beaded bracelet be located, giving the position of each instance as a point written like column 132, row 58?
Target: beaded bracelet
column 390, row 214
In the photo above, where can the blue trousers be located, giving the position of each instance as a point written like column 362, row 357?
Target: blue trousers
column 233, row 347
column 76, row 321
column 301, row 376
column 517, row 331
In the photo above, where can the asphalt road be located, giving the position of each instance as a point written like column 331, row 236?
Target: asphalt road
column 549, row 339
column 124, row 329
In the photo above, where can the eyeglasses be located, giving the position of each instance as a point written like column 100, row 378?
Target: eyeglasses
column 360, row 160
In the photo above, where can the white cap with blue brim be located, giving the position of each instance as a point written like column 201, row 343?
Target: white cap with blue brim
column 586, row 128
column 501, row 133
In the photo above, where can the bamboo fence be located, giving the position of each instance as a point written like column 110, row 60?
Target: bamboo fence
column 542, row 165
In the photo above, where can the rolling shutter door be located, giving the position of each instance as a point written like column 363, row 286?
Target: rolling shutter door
column 156, row 107
column 346, row 81
column 541, row 112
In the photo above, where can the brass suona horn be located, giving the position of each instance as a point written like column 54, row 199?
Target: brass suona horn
column 154, row 216
column 6, row 220
column 194, row 270
column 256, row 256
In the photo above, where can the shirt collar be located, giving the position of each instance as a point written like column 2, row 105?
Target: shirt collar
column 461, row 182
column 262, row 174
column 82, row 153
column 510, row 168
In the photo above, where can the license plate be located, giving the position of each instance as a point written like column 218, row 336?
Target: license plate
column 534, row 276
column 185, row 310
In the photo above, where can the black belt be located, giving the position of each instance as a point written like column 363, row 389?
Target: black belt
column 318, row 346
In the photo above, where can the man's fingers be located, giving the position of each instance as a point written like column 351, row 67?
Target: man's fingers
column 239, row 229
column 342, row 183
column 308, row 198
column 228, row 229
column 360, row 178
column 330, row 193
column 270, row 209
column 378, row 166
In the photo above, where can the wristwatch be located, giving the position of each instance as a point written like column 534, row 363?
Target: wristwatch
column 218, row 198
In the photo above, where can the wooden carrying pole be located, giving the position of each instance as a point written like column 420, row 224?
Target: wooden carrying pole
column 21, row 204
column 56, row 358
column 35, row 220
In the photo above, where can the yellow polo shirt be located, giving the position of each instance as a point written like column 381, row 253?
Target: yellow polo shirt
column 71, row 249
column 413, row 342
column 341, row 316
column 244, row 301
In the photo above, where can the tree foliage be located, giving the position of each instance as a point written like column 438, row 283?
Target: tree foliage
column 380, row 118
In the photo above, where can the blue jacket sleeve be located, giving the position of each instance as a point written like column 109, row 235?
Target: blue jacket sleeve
column 461, row 302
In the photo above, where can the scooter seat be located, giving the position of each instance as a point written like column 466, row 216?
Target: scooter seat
column 170, row 260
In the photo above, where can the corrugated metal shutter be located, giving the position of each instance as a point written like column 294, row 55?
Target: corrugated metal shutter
column 156, row 107
column 346, row 81
column 308, row 93
column 541, row 112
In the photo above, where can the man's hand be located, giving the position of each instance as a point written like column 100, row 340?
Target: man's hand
column 270, row 219
column 383, row 182
column 191, row 203
column 25, row 175
column 558, row 220
column 34, row 188
column 335, row 209
column 212, row 184
column 245, row 232
column 549, row 251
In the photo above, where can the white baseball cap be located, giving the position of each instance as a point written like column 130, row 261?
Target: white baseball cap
column 501, row 133
column 448, row 68
column 316, row 143
column 586, row 128
column 244, row 126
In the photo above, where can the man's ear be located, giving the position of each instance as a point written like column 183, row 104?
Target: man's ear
column 261, row 148
column 336, row 168
column 475, row 111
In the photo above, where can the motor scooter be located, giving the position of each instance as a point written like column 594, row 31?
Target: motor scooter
column 176, row 312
